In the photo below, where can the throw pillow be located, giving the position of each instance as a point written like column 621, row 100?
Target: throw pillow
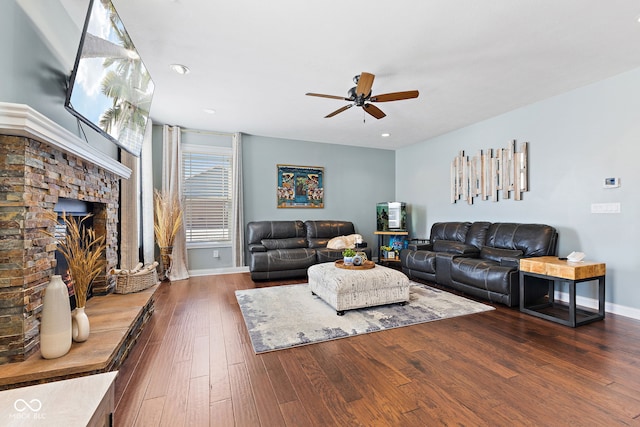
column 342, row 242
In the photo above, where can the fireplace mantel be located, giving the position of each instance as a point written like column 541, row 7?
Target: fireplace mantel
column 22, row 120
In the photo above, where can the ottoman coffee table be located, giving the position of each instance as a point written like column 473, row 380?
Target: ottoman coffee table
column 347, row 289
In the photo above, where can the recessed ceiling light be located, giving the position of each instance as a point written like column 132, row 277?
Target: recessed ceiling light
column 384, row 135
column 179, row 68
column 209, row 110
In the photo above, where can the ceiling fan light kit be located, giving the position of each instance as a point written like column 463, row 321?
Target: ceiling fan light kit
column 360, row 96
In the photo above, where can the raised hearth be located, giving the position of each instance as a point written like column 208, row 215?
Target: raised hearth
column 116, row 321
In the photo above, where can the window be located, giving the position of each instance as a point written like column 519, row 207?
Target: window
column 207, row 193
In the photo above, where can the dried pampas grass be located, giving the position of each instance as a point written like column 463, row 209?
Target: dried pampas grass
column 83, row 251
column 167, row 218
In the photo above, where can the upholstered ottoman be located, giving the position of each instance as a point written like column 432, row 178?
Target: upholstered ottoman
column 346, row 289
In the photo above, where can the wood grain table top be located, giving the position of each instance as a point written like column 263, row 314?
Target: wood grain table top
column 563, row 269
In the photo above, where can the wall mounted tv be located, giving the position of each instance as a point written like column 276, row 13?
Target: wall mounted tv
column 110, row 89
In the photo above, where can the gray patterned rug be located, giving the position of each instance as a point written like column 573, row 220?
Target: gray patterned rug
column 286, row 316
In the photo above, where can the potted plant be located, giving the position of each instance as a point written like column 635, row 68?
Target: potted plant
column 167, row 221
column 347, row 256
column 388, row 252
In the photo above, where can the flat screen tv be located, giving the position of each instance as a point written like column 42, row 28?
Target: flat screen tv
column 110, row 89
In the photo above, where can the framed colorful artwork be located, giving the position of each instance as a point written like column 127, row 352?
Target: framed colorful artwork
column 300, row 186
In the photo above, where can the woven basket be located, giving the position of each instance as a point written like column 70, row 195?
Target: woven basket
column 137, row 279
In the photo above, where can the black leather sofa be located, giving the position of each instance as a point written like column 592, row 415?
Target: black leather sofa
column 285, row 249
column 480, row 258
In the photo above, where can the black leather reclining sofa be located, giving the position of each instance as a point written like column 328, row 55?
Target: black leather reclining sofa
column 481, row 258
column 285, row 249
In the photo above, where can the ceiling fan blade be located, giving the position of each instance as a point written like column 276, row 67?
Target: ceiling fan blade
column 364, row 84
column 374, row 111
column 328, row 96
column 395, row 96
column 338, row 111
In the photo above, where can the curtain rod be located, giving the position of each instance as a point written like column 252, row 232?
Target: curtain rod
column 206, row 132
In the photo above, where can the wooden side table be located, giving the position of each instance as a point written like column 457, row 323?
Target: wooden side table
column 554, row 270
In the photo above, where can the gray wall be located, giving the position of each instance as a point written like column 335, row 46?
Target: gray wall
column 576, row 140
column 355, row 179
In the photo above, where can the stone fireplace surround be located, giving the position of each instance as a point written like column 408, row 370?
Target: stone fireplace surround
column 39, row 163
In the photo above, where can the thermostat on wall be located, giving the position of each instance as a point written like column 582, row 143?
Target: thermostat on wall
column 611, row 182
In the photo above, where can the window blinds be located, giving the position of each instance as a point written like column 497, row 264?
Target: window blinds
column 207, row 196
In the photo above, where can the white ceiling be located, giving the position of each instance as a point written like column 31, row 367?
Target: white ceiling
column 253, row 61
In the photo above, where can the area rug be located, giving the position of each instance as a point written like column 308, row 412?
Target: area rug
column 286, row 316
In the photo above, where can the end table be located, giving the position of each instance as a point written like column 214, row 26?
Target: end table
column 554, row 270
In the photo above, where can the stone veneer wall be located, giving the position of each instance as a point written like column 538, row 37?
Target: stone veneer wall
column 32, row 178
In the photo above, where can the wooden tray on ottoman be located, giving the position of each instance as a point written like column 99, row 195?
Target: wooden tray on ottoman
column 365, row 266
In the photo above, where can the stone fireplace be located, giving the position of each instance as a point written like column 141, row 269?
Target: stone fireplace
column 41, row 163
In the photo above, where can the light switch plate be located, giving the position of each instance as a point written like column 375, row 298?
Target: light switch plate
column 605, row 207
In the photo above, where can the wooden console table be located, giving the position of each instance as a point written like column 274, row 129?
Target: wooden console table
column 554, row 270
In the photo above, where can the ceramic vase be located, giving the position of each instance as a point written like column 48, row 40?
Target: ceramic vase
column 55, row 324
column 80, row 325
column 165, row 257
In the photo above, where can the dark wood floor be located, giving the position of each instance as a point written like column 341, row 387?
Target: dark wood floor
column 194, row 366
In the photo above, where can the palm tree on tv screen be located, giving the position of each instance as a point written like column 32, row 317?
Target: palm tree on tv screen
column 128, row 84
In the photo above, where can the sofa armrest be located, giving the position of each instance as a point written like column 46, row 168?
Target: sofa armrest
column 513, row 262
column 420, row 246
column 257, row 248
column 456, row 248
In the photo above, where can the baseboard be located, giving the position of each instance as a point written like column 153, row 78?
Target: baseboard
column 609, row 307
column 215, row 271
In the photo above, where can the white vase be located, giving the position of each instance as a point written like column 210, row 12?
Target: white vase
column 80, row 325
column 55, row 324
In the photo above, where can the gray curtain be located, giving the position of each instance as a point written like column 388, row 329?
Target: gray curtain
column 172, row 183
column 237, row 222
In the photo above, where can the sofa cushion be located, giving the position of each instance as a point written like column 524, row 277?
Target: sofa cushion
column 320, row 232
column 497, row 254
column 259, row 230
column 456, row 231
column 477, row 234
column 282, row 259
column 289, row 243
column 482, row 274
column 453, row 247
column 531, row 239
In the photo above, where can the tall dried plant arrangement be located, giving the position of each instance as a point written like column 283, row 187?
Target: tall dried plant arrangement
column 82, row 250
column 167, row 218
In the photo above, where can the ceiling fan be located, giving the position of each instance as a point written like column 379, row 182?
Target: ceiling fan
column 360, row 96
